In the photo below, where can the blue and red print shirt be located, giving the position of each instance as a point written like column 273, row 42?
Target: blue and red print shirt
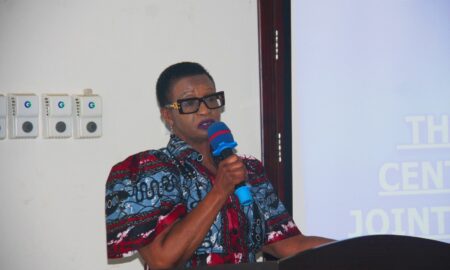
column 150, row 190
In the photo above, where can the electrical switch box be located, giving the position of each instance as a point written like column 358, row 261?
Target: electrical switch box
column 3, row 115
column 57, row 121
column 23, row 115
column 87, row 115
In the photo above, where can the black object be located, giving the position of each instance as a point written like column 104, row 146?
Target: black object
column 374, row 252
column 60, row 127
column 27, row 127
column 91, row 127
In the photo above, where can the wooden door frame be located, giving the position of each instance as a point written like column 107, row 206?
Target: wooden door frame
column 275, row 94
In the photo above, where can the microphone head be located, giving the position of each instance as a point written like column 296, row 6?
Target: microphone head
column 220, row 138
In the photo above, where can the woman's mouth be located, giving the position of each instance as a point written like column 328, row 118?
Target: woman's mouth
column 205, row 124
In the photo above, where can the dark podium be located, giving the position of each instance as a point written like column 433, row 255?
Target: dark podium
column 362, row 253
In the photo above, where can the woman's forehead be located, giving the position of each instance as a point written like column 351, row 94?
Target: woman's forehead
column 192, row 85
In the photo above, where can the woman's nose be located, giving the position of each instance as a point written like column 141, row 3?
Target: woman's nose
column 202, row 108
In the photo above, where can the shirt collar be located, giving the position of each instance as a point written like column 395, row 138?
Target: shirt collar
column 181, row 150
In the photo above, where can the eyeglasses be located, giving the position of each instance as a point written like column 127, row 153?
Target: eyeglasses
column 192, row 105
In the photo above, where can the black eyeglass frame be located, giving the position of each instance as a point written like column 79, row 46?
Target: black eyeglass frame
column 177, row 105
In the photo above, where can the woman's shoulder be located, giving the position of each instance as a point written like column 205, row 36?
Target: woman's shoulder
column 151, row 155
column 148, row 161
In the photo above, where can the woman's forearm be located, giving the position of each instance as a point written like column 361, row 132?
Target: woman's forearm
column 178, row 242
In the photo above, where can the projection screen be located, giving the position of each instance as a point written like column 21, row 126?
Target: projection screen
column 371, row 107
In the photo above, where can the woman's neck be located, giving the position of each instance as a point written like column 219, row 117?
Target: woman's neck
column 205, row 150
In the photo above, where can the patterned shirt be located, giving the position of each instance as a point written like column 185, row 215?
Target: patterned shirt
column 150, row 190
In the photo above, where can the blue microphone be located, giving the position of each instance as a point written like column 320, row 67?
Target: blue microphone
column 222, row 143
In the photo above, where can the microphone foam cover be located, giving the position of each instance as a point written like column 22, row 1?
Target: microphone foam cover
column 220, row 138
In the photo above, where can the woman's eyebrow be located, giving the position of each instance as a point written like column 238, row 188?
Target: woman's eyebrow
column 188, row 92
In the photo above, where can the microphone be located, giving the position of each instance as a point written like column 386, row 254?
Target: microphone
column 222, row 143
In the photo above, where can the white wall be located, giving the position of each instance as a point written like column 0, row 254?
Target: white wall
column 52, row 191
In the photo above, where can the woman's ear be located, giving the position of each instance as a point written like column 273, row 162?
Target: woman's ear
column 166, row 117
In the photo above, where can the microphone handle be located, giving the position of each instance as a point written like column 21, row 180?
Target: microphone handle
column 241, row 190
column 226, row 153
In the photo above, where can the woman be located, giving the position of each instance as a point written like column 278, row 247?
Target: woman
column 176, row 206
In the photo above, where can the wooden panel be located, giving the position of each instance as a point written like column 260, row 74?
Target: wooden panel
column 275, row 63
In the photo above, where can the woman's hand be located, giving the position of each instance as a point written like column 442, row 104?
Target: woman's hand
column 231, row 171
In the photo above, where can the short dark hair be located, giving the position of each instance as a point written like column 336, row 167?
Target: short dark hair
column 172, row 74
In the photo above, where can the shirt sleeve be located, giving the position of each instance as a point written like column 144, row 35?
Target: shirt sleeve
column 279, row 224
column 142, row 198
